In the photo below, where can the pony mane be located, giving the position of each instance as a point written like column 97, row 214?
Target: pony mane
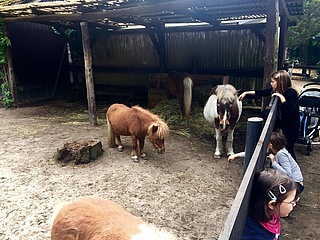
column 163, row 129
column 149, row 231
column 148, row 113
column 226, row 93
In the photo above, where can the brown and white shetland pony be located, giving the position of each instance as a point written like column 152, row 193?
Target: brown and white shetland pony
column 180, row 85
column 94, row 218
column 223, row 109
column 137, row 123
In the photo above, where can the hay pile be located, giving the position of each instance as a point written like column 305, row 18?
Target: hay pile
column 198, row 127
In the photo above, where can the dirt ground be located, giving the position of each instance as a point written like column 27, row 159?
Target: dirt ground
column 186, row 191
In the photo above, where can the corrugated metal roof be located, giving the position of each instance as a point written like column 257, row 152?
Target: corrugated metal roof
column 118, row 14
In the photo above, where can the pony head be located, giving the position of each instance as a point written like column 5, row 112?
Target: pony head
column 157, row 132
column 224, row 115
column 226, row 99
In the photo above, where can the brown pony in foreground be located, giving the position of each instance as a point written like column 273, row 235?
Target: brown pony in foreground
column 94, row 218
column 179, row 85
column 137, row 123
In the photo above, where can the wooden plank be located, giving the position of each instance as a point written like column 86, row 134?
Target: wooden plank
column 156, row 95
column 158, row 80
column 157, row 85
column 237, row 216
column 113, row 93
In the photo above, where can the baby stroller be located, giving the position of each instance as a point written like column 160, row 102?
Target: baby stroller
column 309, row 106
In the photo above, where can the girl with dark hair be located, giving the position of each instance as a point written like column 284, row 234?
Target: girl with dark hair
column 273, row 196
column 288, row 118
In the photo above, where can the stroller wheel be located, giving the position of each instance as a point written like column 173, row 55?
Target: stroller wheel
column 309, row 149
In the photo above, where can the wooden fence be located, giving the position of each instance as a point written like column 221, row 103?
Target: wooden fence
column 236, row 219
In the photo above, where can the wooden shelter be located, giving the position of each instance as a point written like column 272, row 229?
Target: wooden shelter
column 156, row 17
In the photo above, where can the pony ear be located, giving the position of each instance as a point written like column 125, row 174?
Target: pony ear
column 154, row 128
column 214, row 90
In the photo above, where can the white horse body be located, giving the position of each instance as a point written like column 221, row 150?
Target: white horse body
column 211, row 114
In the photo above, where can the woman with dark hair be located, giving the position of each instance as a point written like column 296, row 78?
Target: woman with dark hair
column 288, row 118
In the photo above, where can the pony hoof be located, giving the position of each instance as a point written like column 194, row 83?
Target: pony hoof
column 144, row 156
column 120, row 149
column 216, row 156
column 135, row 159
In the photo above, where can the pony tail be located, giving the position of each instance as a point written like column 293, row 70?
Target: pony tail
column 187, row 95
column 111, row 141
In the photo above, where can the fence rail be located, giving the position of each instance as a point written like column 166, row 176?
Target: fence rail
column 236, row 219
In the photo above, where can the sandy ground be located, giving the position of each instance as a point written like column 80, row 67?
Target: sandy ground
column 179, row 190
column 186, row 191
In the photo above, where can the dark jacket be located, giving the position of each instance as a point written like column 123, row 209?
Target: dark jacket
column 253, row 230
column 288, row 118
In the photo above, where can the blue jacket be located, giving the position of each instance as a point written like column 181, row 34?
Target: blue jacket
column 253, row 230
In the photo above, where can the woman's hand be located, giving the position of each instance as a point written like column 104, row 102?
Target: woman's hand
column 242, row 96
column 282, row 98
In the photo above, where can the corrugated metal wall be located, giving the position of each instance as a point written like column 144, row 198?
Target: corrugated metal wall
column 125, row 50
column 128, row 59
column 232, row 50
column 215, row 50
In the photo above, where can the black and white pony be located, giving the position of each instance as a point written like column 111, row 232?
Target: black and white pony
column 223, row 109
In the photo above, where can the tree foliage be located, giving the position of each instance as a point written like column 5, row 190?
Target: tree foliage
column 302, row 37
column 5, row 86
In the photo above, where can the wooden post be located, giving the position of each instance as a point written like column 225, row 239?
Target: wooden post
column 11, row 76
column 283, row 41
column 225, row 80
column 88, row 73
column 271, row 45
column 254, row 129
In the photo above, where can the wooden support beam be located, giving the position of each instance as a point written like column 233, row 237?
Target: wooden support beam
column 88, row 73
column 271, row 44
column 259, row 33
column 158, row 40
column 199, row 16
column 283, row 41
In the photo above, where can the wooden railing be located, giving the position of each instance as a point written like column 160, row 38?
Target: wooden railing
column 236, row 219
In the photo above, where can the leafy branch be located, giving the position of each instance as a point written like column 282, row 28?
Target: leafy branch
column 7, row 99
